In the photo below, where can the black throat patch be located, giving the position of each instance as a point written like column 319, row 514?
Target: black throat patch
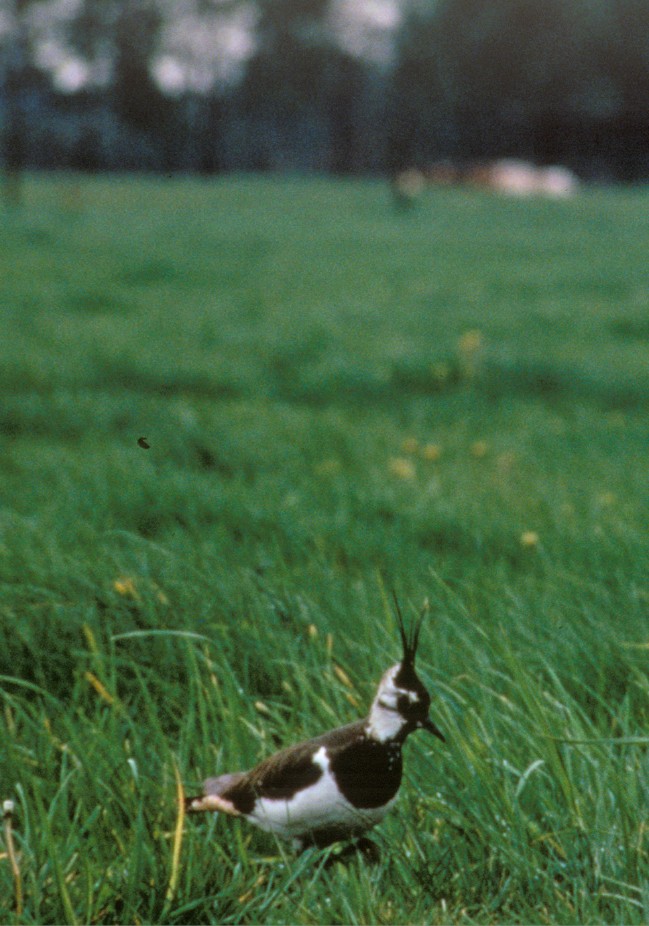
column 369, row 774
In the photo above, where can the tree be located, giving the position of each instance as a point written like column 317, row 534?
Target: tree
column 120, row 38
column 18, row 75
column 420, row 123
column 623, row 59
column 300, row 90
column 516, row 77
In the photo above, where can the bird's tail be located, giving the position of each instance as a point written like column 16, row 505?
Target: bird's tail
column 213, row 797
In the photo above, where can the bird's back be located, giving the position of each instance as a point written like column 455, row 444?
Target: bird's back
column 367, row 773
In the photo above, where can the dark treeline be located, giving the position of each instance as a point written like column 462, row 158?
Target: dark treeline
column 553, row 81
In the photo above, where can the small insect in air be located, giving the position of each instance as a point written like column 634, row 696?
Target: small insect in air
column 143, row 443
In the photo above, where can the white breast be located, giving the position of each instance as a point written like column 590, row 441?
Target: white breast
column 317, row 807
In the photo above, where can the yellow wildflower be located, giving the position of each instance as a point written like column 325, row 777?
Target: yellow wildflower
column 402, row 468
column 431, row 452
column 410, row 445
column 125, row 586
column 479, row 448
column 469, row 350
column 470, row 341
column 529, row 539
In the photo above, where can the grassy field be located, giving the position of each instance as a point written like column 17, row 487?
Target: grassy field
column 340, row 399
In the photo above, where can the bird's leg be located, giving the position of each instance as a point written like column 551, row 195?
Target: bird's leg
column 368, row 849
column 360, row 846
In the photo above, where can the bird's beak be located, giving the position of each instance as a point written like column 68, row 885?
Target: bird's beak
column 428, row 724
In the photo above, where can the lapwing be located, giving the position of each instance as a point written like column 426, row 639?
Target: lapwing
column 339, row 785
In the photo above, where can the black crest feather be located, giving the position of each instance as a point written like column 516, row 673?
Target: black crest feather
column 409, row 637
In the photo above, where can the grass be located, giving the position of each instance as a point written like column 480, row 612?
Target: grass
column 339, row 399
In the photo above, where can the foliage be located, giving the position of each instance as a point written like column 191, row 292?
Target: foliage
column 557, row 82
column 338, row 399
column 547, row 81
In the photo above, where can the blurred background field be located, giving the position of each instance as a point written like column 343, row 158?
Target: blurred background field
column 339, row 399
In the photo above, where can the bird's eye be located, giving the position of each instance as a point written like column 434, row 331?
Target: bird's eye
column 408, row 706
column 414, row 705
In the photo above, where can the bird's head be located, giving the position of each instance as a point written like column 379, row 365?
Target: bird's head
column 402, row 702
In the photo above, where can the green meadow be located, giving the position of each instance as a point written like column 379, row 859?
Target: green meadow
column 340, row 399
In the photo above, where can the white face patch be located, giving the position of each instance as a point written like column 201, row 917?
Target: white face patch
column 385, row 721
